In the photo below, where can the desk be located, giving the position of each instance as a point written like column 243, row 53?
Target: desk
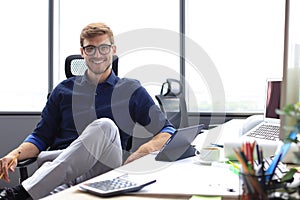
column 175, row 180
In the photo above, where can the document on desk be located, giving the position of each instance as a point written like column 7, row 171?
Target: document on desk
column 185, row 177
column 220, row 134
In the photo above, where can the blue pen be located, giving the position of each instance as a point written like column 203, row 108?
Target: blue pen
column 271, row 170
column 283, row 150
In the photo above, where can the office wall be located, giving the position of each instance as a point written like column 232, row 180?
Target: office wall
column 13, row 130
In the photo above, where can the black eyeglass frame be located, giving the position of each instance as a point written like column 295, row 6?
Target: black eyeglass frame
column 99, row 49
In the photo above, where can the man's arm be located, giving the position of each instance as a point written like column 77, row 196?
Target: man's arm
column 154, row 144
column 25, row 150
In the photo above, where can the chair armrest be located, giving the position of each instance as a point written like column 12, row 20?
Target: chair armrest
column 28, row 161
column 22, row 165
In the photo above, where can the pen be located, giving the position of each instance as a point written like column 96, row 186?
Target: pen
column 260, row 165
column 258, row 154
column 217, row 145
column 233, row 164
column 272, row 167
column 11, row 163
column 233, row 167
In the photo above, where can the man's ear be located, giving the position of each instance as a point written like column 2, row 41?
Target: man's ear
column 114, row 49
column 81, row 51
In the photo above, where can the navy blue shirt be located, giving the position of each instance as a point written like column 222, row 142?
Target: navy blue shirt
column 76, row 102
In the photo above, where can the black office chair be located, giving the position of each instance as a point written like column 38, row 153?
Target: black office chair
column 22, row 165
column 74, row 66
column 172, row 103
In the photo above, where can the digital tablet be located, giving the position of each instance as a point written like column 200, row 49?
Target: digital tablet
column 179, row 145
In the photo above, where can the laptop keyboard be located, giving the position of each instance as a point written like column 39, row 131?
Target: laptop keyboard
column 267, row 132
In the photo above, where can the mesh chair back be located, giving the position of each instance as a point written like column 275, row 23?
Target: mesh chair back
column 75, row 65
column 172, row 103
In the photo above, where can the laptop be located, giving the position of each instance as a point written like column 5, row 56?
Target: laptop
column 179, row 145
column 269, row 128
column 266, row 132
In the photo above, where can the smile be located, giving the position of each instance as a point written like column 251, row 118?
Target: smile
column 98, row 61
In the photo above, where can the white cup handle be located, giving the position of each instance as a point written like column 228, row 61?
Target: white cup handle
column 197, row 153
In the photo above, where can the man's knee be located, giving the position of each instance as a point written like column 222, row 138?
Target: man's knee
column 101, row 138
column 104, row 123
column 102, row 127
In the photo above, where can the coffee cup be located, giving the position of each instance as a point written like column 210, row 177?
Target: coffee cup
column 208, row 154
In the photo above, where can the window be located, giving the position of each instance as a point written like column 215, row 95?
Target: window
column 230, row 51
column 232, row 48
column 144, row 33
column 24, row 53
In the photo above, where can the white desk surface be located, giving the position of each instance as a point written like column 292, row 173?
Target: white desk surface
column 174, row 180
column 225, row 132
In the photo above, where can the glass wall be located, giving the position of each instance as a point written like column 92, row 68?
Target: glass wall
column 146, row 34
column 24, row 55
column 232, row 47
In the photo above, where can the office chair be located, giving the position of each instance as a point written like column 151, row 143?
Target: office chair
column 74, row 66
column 172, row 103
column 22, row 165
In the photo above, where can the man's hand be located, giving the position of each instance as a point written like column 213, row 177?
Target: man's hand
column 8, row 162
column 154, row 144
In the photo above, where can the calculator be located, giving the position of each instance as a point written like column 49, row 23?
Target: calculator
column 113, row 187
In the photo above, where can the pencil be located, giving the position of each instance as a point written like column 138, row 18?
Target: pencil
column 241, row 160
column 11, row 163
column 249, row 174
column 233, row 165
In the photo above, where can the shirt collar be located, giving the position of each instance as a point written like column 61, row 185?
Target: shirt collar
column 111, row 80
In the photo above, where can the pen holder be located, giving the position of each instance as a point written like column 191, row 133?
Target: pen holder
column 255, row 187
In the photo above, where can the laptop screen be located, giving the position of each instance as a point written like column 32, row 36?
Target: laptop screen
column 272, row 99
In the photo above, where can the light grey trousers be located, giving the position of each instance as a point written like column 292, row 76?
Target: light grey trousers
column 95, row 151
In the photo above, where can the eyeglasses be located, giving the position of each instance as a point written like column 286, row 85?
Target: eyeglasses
column 103, row 49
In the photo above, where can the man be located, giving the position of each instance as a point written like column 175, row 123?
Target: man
column 87, row 121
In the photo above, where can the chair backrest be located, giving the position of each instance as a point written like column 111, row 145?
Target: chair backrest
column 172, row 103
column 75, row 65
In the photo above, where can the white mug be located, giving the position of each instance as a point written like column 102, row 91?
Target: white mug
column 208, row 154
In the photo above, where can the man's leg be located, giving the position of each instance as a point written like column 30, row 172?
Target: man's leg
column 100, row 142
column 45, row 156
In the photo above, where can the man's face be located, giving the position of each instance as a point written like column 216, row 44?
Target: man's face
column 98, row 52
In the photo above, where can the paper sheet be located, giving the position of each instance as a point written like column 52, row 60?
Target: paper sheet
column 186, row 176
